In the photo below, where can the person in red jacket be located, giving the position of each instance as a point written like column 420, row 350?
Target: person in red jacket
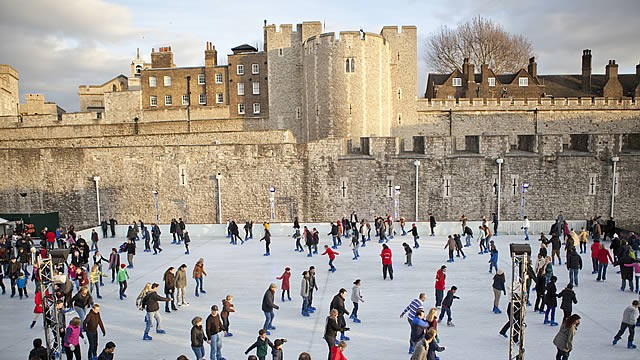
column 594, row 255
column 387, row 265
column 332, row 255
column 604, row 256
column 285, row 282
column 51, row 239
column 37, row 310
column 336, row 351
column 440, row 284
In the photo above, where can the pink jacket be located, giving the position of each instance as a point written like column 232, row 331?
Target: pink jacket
column 72, row 336
column 636, row 266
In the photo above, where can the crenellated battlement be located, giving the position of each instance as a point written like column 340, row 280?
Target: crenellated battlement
column 348, row 37
column 528, row 104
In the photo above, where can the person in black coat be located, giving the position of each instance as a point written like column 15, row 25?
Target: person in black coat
column 568, row 299
column 169, row 289
column 338, row 303
column 268, row 306
column 551, row 301
column 331, row 329
column 517, row 320
column 38, row 351
column 432, row 223
column 574, row 265
column 112, row 225
column 541, row 283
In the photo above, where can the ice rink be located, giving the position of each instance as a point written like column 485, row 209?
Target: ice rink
column 245, row 273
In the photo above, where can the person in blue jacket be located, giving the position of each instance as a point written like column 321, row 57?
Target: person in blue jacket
column 493, row 262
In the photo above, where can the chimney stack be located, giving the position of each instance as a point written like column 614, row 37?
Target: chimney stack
column 611, row 70
column 533, row 67
column 210, row 55
column 612, row 86
column 163, row 58
column 586, row 70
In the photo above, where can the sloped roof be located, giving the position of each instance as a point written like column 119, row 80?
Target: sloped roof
column 244, row 48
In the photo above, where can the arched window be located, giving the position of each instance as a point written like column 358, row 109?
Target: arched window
column 114, row 88
column 348, row 66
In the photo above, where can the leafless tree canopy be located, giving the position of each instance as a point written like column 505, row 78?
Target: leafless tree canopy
column 483, row 42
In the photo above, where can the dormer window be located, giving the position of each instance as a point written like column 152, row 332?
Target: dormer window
column 523, row 81
column 457, row 81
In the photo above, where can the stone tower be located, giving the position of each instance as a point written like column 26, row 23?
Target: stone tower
column 9, row 95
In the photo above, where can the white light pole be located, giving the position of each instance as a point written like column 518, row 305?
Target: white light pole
column 525, row 186
column 417, row 165
column 155, row 196
column 614, row 180
column 97, row 180
column 219, row 212
column 272, row 202
column 498, row 188
column 397, row 202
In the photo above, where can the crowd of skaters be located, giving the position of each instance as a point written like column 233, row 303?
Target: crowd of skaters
column 424, row 338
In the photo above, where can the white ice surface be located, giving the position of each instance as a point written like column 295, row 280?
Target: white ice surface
column 245, row 273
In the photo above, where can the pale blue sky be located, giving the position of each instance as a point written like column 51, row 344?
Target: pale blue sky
column 58, row 45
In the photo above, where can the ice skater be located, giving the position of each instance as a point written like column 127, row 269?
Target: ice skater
column 337, row 303
column 198, row 274
column 262, row 345
column 286, row 275
column 356, row 299
column 414, row 233
column 387, row 262
column 332, row 255
column 267, row 241
column 187, row 241
column 407, row 253
column 440, row 284
column 227, row 309
column 304, row 293
column 630, row 318
column 551, row 302
column 268, row 305
column 150, row 303
column 451, row 244
column 459, row 250
column 446, row 305
column 355, row 244
column 493, row 261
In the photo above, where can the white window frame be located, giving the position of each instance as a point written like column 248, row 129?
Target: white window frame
column 240, row 69
column 201, row 79
column 241, row 109
column 256, row 108
column 255, row 69
column 523, row 81
column 350, row 65
column 185, row 99
column 167, row 80
column 491, row 81
column 168, row 100
column 256, row 88
column 219, row 98
column 457, row 82
column 153, row 81
column 218, row 78
column 153, row 100
column 240, row 88
column 202, row 99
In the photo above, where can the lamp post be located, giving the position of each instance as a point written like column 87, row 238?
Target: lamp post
column 155, row 196
column 272, row 202
column 417, row 165
column 498, row 187
column 96, row 179
column 525, row 186
column 397, row 202
column 614, row 180
column 219, row 212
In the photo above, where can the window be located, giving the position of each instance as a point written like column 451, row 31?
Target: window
column 153, row 101
column 350, row 65
column 203, row 99
column 256, row 88
column 168, row 100
column 492, row 81
column 201, row 79
column 185, row 99
column 446, row 186
column 256, row 108
column 152, row 81
column 218, row 78
column 298, row 113
column 280, row 52
column 241, row 109
column 240, row 88
column 593, row 183
column 219, row 98
column 167, row 81
column 523, row 81
column 240, row 70
column 457, row 81
column 255, row 69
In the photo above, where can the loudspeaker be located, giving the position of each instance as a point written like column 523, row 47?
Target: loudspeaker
column 519, row 249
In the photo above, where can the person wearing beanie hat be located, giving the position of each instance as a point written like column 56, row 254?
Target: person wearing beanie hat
column 286, row 275
column 123, row 275
column 214, row 328
column 197, row 337
column 498, row 289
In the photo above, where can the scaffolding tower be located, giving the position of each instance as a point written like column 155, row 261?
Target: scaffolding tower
column 520, row 254
column 50, row 318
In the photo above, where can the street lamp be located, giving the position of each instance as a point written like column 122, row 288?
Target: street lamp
column 272, row 202
column 614, row 180
column 397, row 202
column 155, row 196
column 219, row 212
column 96, row 179
column 498, row 187
column 525, row 186
column 417, row 165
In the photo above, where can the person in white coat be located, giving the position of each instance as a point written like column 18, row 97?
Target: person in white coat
column 525, row 227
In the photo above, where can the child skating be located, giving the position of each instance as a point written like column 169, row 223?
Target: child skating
column 451, row 244
column 446, row 305
column 407, row 253
column 332, row 255
column 261, row 345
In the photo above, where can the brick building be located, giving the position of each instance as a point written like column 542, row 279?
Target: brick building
column 248, row 87
column 526, row 83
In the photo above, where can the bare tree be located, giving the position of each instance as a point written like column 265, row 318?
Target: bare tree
column 483, row 42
